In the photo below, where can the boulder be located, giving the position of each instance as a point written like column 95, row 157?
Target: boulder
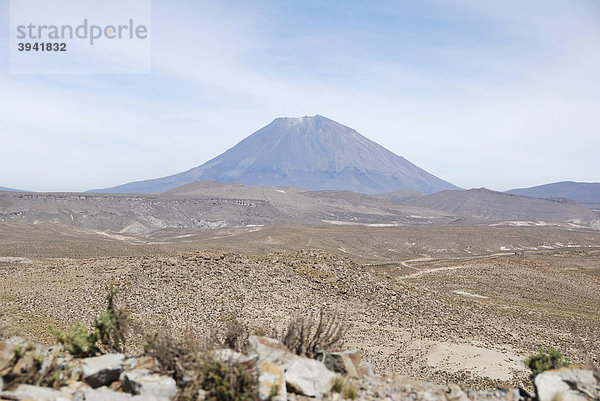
column 145, row 382
column 269, row 350
column 271, row 379
column 102, row 370
column 568, row 384
column 308, row 377
column 346, row 362
column 302, row 375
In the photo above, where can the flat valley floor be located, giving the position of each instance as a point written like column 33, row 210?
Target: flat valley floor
column 465, row 304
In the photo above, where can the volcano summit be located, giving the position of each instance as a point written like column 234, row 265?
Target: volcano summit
column 308, row 152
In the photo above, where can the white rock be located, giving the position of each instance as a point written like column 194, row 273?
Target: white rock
column 230, row 356
column 27, row 392
column 272, row 377
column 567, row 384
column 309, row 377
column 302, row 375
column 145, row 383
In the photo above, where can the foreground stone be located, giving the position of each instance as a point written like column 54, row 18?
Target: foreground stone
column 346, row 363
column 303, row 376
column 271, row 379
column 568, row 384
column 102, row 370
column 143, row 382
column 28, row 392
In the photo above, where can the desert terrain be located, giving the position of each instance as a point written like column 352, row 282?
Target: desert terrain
column 465, row 303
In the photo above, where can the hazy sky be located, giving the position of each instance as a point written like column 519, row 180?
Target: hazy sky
column 500, row 94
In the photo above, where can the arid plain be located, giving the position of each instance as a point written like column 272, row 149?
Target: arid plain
column 458, row 302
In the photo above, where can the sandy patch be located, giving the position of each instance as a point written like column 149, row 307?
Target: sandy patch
column 10, row 259
column 468, row 294
column 478, row 361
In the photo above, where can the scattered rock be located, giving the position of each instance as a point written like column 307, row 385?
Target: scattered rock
column 102, row 370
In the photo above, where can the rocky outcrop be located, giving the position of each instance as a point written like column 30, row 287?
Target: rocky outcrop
column 568, row 384
column 302, row 376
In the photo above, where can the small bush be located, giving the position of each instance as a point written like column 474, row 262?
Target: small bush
column 108, row 333
column 79, row 342
column 227, row 381
column 350, row 392
column 236, row 336
column 341, row 386
column 307, row 336
column 546, row 360
column 196, row 368
column 338, row 385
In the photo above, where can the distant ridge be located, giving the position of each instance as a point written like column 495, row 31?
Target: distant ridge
column 587, row 193
column 491, row 205
column 315, row 153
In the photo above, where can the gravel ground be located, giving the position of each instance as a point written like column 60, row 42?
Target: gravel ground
column 396, row 322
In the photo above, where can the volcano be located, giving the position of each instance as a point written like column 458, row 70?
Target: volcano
column 315, row 153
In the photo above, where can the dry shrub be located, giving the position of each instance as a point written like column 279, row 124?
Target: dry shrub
column 195, row 368
column 309, row 335
column 232, row 333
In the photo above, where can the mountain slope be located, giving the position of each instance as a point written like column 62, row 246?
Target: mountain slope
column 400, row 196
column 315, row 153
column 491, row 205
column 11, row 189
column 582, row 192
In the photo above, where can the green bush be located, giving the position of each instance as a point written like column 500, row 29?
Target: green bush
column 79, row 342
column 338, row 385
column 546, row 360
column 228, row 381
column 350, row 392
column 108, row 332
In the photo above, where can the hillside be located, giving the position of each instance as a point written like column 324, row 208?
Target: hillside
column 491, row 205
column 315, row 153
column 586, row 193
column 208, row 205
column 400, row 196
